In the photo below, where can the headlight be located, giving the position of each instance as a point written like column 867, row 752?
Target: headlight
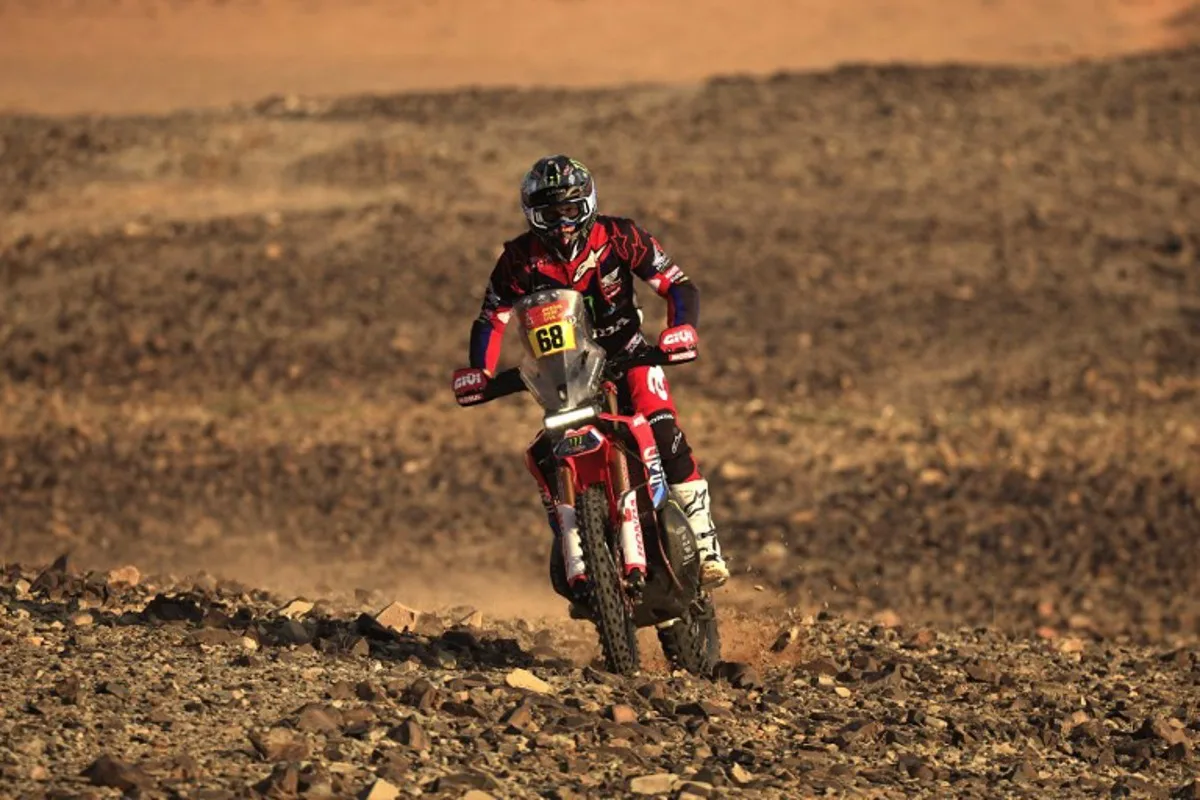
column 568, row 418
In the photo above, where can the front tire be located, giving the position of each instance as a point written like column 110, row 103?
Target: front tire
column 618, row 635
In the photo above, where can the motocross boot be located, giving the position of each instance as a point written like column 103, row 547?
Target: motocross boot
column 692, row 497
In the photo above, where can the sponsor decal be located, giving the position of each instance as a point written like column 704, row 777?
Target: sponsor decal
column 468, row 380
column 687, row 545
column 633, row 545
column 541, row 315
column 661, row 259
column 685, row 337
column 635, row 342
column 658, row 477
column 578, row 442
column 661, row 416
column 614, row 329
column 610, row 284
column 656, row 382
column 592, row 260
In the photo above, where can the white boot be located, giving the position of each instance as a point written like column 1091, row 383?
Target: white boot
column 692, row 497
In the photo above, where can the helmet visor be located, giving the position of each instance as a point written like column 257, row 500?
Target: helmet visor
column 559, row 214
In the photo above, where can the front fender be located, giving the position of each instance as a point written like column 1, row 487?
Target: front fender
column 590, row 468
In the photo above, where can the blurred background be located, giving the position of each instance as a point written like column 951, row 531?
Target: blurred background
column 949, row 254
column 67, row 56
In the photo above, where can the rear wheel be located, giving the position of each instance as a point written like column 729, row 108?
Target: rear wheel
column 618, row 635
column 693, row 642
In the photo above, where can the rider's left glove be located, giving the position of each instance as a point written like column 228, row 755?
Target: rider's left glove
column 679, row 343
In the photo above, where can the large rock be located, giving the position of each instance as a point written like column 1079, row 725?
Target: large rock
column 117, row 774
column 380, row 790
column 399, row 618
column 658, row 783
column 280, row 744
column 524, row 679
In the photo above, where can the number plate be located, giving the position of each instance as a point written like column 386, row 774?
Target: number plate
column 553, row 338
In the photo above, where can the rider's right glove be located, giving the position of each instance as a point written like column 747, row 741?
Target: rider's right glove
column 469, row 385
column 679, row 343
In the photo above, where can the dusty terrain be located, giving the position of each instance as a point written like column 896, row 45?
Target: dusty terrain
column 949, row 400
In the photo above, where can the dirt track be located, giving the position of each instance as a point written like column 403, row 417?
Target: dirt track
column 969, row 300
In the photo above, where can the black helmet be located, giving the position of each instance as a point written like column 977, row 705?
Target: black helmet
column 558, row 196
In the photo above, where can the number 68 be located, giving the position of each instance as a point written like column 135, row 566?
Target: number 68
column 550, row 338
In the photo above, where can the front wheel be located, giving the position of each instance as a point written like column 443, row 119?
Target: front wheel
column 618, row 634
column 693, row 642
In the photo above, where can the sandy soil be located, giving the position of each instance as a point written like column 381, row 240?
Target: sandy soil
column 148, row 55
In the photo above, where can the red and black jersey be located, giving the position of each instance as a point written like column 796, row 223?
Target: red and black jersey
column 616, row 250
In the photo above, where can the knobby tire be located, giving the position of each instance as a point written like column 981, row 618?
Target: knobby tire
column 693, row 643
column 617, row 633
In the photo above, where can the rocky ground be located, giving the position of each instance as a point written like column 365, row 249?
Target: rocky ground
column 212, row 690
column 948, row 399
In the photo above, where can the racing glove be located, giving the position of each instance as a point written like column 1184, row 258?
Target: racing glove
column 679, row 343
column 469, row 385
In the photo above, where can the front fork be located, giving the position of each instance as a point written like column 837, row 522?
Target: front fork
column 633, row 546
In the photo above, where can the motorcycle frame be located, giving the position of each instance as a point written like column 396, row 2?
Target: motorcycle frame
column 606, row 462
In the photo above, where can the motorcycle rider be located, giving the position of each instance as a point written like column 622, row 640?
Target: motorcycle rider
column 570, row 245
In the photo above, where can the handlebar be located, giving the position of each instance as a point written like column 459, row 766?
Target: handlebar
column 509, row 381
column 505, row 382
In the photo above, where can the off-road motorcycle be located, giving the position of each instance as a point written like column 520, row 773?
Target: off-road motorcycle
column 633, row 560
